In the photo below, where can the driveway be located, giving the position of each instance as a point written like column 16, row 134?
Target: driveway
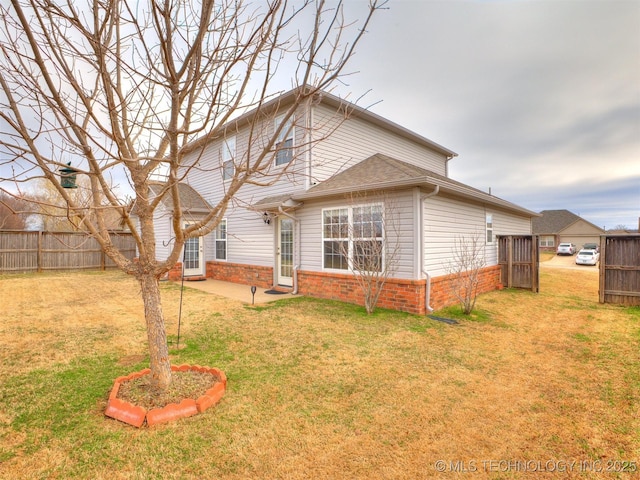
column 568, row 261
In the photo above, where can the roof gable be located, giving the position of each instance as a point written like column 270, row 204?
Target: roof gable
column 380, row 172
column 190, row 200
column 375, row 170
column 286, row 99
column 555, row 221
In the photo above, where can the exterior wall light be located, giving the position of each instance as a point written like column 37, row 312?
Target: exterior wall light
column 266, row 218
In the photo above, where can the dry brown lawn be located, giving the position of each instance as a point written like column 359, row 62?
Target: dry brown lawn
column 318, row 390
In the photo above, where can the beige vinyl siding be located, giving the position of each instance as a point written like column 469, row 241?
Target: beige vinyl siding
column 509, row 224
column 249, row 239
column 447, row 219
column 399, row 230
column 581, row 228
column 205, row 174
column 355, row 140
column 163, row 231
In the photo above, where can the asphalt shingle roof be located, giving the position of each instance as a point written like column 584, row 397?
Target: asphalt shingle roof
column 380, row 172
column 554, row 221
column 374, row 170
column 190, row 200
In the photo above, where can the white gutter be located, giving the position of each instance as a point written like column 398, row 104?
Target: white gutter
column 427, row 296
column 296, row 235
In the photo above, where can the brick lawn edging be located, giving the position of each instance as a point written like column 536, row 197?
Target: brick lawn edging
column 136, row 416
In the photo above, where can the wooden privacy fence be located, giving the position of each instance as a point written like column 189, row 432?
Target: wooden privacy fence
column 620, row 269
column 25, row 251
column 519, row 261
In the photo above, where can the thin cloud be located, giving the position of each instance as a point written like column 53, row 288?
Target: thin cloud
column 538, row 98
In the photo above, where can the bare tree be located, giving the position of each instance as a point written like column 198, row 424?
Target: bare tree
column 14, row 212
column 464, row 269
column 371, row 244
column 123, row 87
column 53, row 213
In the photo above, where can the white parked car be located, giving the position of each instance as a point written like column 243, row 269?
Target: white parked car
column 566, row 249
column 587, row 257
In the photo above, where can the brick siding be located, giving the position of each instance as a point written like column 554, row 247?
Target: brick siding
column 240, row 273
column 398, row 294
column 442, row 296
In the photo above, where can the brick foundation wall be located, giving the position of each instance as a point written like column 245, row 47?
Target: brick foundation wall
column 398, row 294
column 441, row 295
column 240, row 273
column 175, row 274
column 403, row 295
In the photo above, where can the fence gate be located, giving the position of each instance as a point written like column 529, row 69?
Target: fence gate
column 620, row 269
column 519, row 261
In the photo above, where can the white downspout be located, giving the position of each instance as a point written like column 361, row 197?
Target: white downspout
column 296, row 235
column 309, row 142
column 427, row 299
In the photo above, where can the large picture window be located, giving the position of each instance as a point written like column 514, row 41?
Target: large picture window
column 353, row 238
column 284, row 143
column 221, row 240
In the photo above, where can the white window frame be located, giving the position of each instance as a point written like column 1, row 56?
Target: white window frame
column 547, row 241
column 284, row 152
column 489, row 237
column 335, row 232
column 342, row 231
column 220, row 235
column 228, row 158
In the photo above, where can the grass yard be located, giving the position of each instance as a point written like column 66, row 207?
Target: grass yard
column 320, row 390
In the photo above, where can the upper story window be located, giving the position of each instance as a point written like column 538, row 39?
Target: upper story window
column 228, row 156
column 221, row 240
column 489, row 224
column 284, row 142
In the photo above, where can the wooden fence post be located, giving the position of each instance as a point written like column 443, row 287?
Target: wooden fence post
column 39, row 252
column 509, row 261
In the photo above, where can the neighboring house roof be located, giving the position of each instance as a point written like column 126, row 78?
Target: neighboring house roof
column 190, row 200
column 555, row 221
column 380, row 172
column 349, row 109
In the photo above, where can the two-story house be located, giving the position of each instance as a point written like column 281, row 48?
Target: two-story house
column 339, row 175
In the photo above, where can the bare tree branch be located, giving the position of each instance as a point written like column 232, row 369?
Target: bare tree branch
column 121, row 88
column 467, row 261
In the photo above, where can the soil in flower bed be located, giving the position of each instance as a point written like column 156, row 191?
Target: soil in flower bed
column 187, row 384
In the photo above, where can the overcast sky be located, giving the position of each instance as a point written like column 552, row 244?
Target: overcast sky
column 540, row 99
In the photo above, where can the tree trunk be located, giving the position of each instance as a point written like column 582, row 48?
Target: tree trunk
column 156, row 332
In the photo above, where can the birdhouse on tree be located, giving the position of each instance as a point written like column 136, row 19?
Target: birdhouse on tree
column 68, row 176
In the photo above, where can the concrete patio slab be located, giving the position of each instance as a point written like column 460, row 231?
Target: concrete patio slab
column 235, row 291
